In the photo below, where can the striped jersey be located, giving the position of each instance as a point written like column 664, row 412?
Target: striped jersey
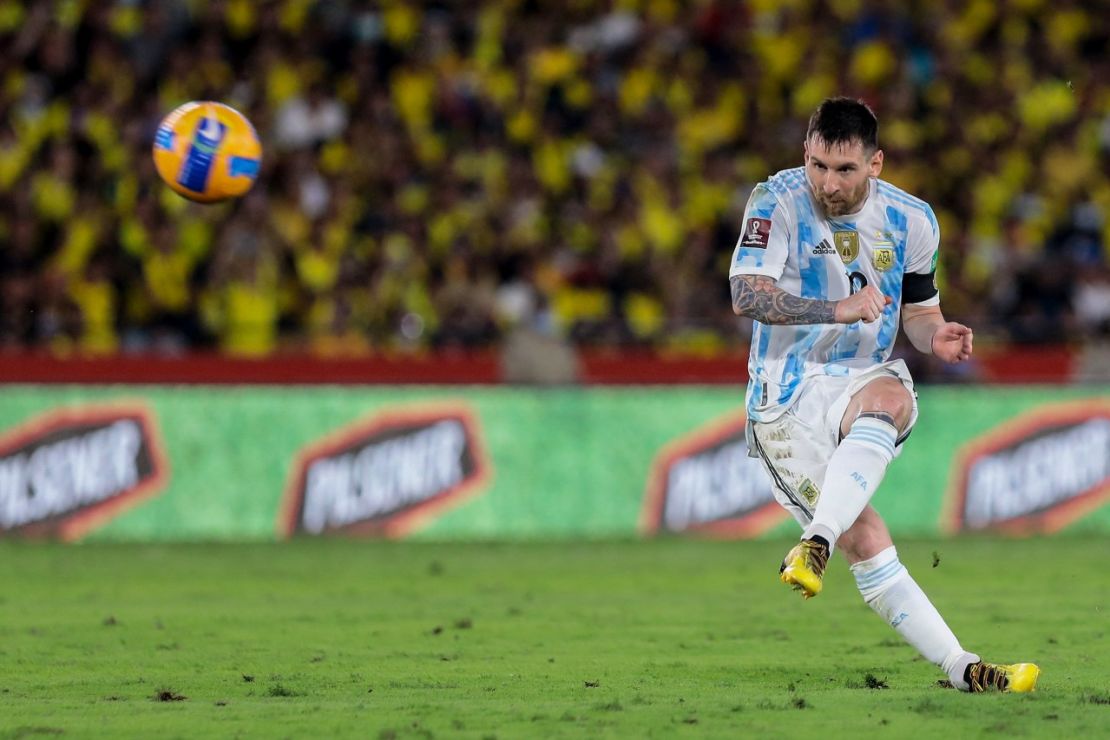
column 786, row 236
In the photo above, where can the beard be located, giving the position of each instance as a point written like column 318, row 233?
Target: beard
column 843, row 203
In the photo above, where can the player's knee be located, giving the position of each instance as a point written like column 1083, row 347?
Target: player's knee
column 892, row 401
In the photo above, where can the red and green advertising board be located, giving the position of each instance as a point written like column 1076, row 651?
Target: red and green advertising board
column 150, row 463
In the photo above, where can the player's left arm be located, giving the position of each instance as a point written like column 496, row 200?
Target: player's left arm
column 922, row 319
column 930, row 333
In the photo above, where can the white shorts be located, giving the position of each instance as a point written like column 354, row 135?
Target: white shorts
column 795, row 448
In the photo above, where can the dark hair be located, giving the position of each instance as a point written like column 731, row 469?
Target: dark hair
column 843, row 121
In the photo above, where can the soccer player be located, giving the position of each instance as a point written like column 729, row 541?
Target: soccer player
column 828, row 259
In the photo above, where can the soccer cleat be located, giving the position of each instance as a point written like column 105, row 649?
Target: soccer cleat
column 804, row 567
column 1017, row 678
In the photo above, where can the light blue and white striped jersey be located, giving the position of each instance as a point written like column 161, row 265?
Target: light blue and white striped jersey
column 787, row 237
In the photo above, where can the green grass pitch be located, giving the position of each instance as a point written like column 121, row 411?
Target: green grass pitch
column 669, row 638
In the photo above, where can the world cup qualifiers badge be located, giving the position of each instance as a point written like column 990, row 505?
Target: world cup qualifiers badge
column 757, row 231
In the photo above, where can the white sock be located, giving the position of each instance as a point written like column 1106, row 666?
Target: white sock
column 855, row 471
column 888, row 589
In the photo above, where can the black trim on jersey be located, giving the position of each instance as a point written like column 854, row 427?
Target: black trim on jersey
column 917, row 287
column 778, row 479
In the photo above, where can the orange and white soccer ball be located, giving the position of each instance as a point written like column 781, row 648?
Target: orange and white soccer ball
column 207, row 152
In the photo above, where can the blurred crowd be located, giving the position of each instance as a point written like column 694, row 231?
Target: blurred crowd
column 441, row 174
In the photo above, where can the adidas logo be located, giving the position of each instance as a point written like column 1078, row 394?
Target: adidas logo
column 824, row 248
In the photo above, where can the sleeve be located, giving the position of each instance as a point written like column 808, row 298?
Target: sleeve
column 919, row 282
column 764, row 242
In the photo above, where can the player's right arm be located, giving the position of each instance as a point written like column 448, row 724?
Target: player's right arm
column 757, row 297
column 758, row 262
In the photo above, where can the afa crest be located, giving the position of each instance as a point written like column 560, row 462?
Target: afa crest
column 883, row 258
column 847, row 244
column 809, row 492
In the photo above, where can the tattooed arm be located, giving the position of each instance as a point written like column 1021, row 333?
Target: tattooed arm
column 757, row 297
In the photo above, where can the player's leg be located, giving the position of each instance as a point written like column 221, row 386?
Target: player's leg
column 883, row 581
column 869, row 428
column 890, row 590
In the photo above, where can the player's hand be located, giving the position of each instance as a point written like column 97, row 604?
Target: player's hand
column 952, row 342
column 866, row 306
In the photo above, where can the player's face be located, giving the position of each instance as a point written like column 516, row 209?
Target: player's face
column 839, row 174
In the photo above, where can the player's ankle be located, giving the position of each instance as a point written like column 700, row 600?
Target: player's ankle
column 967, row 671
column 958, row 665
column 820, row 533
column 820, row 541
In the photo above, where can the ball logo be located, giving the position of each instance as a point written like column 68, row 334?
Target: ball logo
column 199, row 160
column 385, row 475
column 67, row 471
column 209, row 132
column 706, row 482
column 1034, row 474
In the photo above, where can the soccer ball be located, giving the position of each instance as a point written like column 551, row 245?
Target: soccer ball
column 207, row 152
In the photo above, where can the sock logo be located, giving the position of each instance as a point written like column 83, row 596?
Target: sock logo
column 858, row 478
column 1033, row 474
column 706, row 482
column 899, row 619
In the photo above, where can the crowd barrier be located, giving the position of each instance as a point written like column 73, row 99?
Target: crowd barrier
column 995, row 364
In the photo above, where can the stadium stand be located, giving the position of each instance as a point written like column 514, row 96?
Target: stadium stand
column 443, row 175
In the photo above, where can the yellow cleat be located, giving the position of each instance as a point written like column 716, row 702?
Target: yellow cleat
column 1017, row 678
column 804, row 567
